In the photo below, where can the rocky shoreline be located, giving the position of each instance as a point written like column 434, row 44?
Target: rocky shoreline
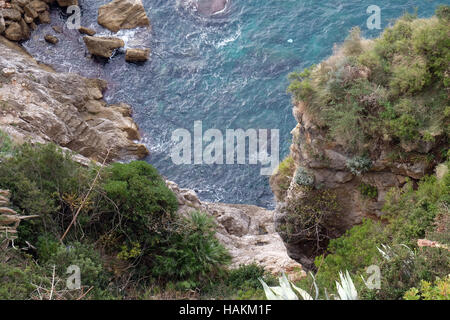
column 18, row 18
column 39, row 105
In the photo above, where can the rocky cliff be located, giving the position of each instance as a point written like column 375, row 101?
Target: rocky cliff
column 370, row 118
column 40, row 105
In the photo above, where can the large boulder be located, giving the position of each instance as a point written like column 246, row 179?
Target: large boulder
column 123, row 14
column 102, row 46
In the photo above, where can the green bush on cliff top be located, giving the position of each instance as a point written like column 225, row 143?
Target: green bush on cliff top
column 393, row 88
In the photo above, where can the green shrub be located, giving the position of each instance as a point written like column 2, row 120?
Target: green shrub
column 41, row 179
column 192, row 251
column 368, row 191
column 144, row 205
column 354, row 251
column 246, row 276
column 281, row 179
column 239, row 284
column 443, row 12
column 347, row 95
column 303, row 178
column 352, row 45
column 6, row 145
column 16, row 282
column 427, row 291
column 85, row 257
column 359, row 165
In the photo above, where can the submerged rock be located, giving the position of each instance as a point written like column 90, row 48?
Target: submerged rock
column 137, row 55
column 101, row 46
column 210, row 7
column 123, row 14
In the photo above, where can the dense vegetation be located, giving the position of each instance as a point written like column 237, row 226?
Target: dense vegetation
column 126, row 239
column 411, row 214
column 392, row 94
column 394, row 89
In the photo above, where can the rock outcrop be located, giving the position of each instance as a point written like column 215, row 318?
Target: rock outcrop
column 102, row 46
column 123, row 14
column 338, row 188
column 248, row 232
column 40, row 105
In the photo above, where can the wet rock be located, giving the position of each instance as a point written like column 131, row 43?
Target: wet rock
column 26, row 32
column 123, row 14
column 51, row 39
column 21, row 3
column 88, row 31
column 102, row 47
column 137, row 55
column 67, row 3
column 7, row 72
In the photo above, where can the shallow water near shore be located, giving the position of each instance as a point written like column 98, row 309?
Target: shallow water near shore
column 228, row 70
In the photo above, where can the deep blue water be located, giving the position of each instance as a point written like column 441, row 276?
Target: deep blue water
column 229, row 70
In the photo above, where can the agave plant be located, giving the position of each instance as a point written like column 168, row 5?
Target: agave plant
column 284, row 291
column 346, row 289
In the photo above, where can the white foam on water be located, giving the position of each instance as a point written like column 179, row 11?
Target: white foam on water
column 228, row 40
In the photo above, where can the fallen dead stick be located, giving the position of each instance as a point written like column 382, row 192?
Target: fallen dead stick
column 84, row 199
column 10, row 219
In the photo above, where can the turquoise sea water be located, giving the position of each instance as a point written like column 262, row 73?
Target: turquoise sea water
column 229, row 70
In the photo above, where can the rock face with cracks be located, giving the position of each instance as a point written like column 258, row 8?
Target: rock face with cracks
column 40, row 105
column 248, row 233
column 123, row 14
